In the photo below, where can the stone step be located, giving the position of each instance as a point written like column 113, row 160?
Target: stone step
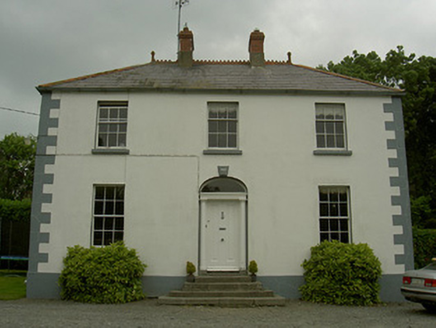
column 223, row 301
column 229, row 293
column 229, row 278
column 224, row 273
column 221, row 286
column 225, row 290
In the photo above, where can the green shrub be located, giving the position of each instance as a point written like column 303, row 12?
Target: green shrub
column 424, row 246
column 343, row 274
column 110, row 274
column 190, row 268
column 252, row 267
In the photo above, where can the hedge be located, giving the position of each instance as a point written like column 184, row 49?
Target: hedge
column 424, row 246
column 15, row 210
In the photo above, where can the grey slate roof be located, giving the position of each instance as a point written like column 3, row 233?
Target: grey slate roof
column 279, row 77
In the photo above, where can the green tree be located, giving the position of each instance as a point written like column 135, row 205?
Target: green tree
column 17, row 161
column 417, row 77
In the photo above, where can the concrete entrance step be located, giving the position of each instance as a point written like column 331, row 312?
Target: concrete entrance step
column 225, row 293
column 224, row 301
column 223, row 290
column 225, row 278
column 223, row 273
column 223, row 286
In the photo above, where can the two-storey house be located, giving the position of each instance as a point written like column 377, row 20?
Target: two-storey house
column 219, row 163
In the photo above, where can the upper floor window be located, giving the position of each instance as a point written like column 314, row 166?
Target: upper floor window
column 223, row 125
column 112, row 125
column 330, row 126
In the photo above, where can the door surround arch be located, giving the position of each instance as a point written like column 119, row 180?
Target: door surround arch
column 223, row 225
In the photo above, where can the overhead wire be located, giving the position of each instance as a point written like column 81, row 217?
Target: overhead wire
column 19, row 111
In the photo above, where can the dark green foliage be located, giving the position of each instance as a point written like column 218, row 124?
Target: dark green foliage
column 421, row 212
column 14, row 241
column 366, row 67
column 110, row 274
column 15, row 210
column 417, row 77
column 424, row 246
column 17, row 161
column 342, row 274
column 14, row 231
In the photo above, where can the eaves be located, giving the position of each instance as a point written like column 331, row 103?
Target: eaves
column 361, row 93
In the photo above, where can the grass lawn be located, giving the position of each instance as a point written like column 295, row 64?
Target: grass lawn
column 12, row 286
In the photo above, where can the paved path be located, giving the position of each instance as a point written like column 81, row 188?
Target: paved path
column 147, row 313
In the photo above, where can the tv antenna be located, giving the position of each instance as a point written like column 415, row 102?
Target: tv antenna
column 180, row 4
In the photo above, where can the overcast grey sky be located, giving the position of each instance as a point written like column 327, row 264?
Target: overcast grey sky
column 49, row 40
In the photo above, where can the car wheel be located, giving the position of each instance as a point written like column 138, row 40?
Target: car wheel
column 429, row 307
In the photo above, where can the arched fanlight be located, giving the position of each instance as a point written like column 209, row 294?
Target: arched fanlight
column 223, row 185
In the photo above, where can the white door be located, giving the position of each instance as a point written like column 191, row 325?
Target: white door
column 223, row 230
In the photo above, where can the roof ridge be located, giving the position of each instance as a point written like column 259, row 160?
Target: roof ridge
column 161, row 61
column 220, row 62
column 277, row 62
column 355, row 79
column 223, row 62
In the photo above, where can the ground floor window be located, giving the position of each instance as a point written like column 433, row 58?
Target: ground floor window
column 108, row 218
column 334, row 214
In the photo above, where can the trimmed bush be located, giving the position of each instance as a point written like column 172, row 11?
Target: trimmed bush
column 110, row 274
column 424, row 246
column 252, row 267
column 190, row 268
column 342, row 274
column 15, row 210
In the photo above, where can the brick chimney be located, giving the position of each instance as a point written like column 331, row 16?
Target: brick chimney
column 255, row 47
column 186, row 47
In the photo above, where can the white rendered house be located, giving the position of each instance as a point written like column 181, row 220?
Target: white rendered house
column 219, row 163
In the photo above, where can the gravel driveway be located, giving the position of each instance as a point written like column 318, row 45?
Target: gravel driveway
column 147, row 313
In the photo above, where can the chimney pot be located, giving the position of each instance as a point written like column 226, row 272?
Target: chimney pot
column 255, row 47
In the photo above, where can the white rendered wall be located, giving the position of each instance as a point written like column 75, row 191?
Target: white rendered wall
column 167, row 134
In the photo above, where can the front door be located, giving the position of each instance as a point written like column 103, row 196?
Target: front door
column 223, row 235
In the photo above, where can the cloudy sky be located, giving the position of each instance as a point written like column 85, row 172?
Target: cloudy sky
column 49, row 40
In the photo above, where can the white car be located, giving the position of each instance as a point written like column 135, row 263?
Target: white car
column 420, row 286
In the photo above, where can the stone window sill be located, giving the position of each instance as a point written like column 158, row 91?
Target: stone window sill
column 222, row 152
column 110, row 151
column 332, row 152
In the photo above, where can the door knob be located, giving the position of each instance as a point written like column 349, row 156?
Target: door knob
column 222, row 239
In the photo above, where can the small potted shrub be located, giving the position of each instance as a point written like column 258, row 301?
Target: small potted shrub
column 252, row 268
column 190, row 270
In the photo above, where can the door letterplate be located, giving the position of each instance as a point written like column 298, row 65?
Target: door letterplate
column 223, row 228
